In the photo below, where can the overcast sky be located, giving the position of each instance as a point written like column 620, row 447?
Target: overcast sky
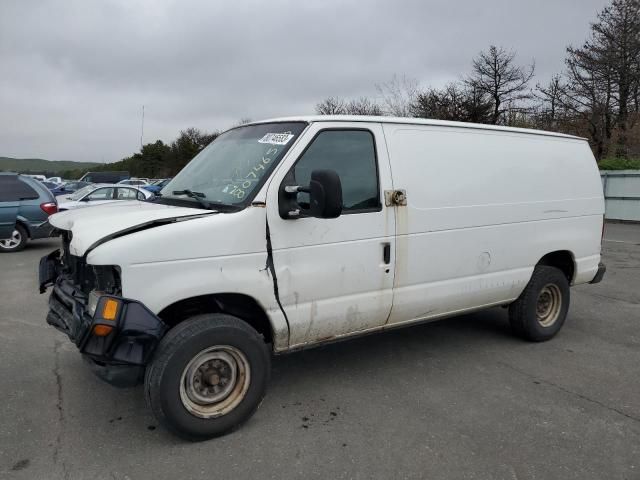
column 75, row 74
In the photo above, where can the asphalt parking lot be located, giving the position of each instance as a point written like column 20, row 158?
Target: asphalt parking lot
column 458, row 398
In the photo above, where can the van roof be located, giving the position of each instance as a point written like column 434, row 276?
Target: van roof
column 414, row 121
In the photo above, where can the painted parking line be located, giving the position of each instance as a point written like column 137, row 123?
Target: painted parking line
column 620, row 241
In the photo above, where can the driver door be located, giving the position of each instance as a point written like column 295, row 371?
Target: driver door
column 335, row 276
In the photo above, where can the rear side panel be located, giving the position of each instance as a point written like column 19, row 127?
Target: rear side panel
column 8, row 214
column 482, row 208
column 31, row 215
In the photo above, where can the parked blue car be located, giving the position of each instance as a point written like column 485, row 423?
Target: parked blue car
column 25, row 206
column 156, row 186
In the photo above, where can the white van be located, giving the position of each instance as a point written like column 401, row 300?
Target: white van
column 294, row 232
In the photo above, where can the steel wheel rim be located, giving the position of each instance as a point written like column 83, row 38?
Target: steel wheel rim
column 215, row 381
column 13, row 241
column 549, row 305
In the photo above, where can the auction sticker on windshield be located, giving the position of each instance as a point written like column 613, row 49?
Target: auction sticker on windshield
column 276, row 138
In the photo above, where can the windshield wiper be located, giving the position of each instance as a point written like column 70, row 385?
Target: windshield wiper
column 198, row 196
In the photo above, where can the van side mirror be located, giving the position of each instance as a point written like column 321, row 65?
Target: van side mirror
column 325, row 194
column 325, row 197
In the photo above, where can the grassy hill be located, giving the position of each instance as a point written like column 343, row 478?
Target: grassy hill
column 39, row 165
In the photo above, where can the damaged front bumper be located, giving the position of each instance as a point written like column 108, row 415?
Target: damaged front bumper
column 119, row 356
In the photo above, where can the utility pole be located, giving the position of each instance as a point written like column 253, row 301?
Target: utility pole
column 142, row 128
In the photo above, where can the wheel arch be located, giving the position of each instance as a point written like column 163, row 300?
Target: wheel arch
column 238, row 305
column 564, row 260
column 23, row 222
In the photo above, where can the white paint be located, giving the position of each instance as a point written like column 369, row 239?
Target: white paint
column 92, row 224
column 357, row 119
column 216, row 253
column 484, row 204
column 331, row 274
column 512, row 195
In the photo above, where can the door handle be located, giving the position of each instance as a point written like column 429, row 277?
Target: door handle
column 386, row 253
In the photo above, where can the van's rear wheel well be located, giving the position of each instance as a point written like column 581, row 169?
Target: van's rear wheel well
column 241, row 306
column 25, row 226
column 562, row 260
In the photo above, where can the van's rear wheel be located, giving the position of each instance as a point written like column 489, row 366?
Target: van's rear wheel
column 209, row 375
column 16, row 242
column 540, row 311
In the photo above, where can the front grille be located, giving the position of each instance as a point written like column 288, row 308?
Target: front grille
column 66, row 254
column 104, row 278
column 81, row 274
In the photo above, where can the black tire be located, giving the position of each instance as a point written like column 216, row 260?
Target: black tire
column 524, row 316
column 23, row 239
column 182, row 345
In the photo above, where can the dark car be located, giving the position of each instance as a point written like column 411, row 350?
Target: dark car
column 25, row 206
column 105, row 177
column 69, row 187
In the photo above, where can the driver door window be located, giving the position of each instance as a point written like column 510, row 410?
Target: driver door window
column 352, row 155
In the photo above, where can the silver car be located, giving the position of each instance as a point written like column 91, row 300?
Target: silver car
column 98, row 194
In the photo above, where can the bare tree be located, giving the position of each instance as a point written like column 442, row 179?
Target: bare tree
column 331, row 106
column 589, row 94
column 363, row 106
column 496, row 75
column 551, row 108
column 338, row 106
column 614, row 47
column 398, row 95
column 445, row 104
column 455, row 102
column 477, row 106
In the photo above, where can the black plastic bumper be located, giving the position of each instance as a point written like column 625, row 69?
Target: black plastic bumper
column 119, row 357
column 600, row 274
column 121, row 376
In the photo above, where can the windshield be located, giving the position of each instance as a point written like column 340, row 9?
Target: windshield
column 233, row 167
column 82, row 192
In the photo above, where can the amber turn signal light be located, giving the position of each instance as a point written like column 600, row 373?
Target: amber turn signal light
column 110, row 309
column 102, row 330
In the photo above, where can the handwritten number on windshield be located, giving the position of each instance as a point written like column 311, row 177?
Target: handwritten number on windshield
column 240, row 192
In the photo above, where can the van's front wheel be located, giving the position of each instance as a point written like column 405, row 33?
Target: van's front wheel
column 540, row 311
column 209, row 374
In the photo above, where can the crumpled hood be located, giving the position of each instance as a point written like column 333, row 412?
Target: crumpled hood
column 91, row 224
